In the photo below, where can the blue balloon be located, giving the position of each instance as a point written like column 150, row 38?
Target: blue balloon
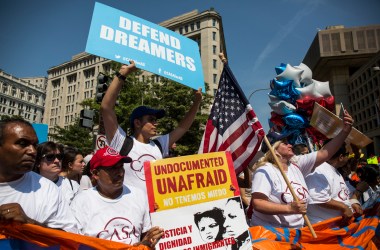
column 280, row 68
column 295, row 121
column 284, row 90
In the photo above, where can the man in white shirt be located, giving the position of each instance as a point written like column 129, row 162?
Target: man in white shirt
column 111, row 210
column 330, row 196
column 143, row 122
column 25, row 196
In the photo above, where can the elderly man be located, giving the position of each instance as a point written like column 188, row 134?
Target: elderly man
column 112, row 210
column 25, row 196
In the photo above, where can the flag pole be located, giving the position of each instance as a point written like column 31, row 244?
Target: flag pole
column 307, row 221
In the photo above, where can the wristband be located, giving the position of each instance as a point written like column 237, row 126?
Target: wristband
column 120, row 76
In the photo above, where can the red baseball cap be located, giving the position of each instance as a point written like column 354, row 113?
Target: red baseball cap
column 107, row 157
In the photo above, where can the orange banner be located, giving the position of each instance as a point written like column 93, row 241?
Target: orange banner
column 357, row 235
column 46, row 237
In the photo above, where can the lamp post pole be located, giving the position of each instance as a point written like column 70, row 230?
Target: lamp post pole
column 256, row 90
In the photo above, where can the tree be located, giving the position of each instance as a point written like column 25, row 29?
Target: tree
column 74, row 136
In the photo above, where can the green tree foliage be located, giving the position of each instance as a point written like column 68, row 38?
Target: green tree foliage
column 173, row 97
column 74, row 136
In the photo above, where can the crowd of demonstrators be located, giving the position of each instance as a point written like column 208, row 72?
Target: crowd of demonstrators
column 272, row 202
column 25, row 196
column 143, row 123
column 112, row 210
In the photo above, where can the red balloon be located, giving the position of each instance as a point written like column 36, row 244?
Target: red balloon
column 315, row 135
column 305, row 106
column 277, row 119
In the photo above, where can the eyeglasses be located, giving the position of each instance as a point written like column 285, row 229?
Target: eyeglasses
column 52, row 157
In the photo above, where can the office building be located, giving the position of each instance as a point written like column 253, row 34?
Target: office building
column 349, row 59
column 22, row 97
column 73, row 81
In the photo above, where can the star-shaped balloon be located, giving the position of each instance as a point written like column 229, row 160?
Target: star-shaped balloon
column 295, row 121
column 307, row 75
column 315, row 90
column 282, row 107
column 291, row 73
column 284, row 90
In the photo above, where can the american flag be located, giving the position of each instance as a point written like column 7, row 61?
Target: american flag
column 232, row 124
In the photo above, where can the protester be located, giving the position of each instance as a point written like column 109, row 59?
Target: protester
column 112, row 210
column 330, row 196
column 235, row 224
column 48, row 161
column 86, row 181
column 272, row 202
column 25, row 196
column 300, row 149
column 143, row 122
column 210, row 224
column 72, row 169
column 370, row 175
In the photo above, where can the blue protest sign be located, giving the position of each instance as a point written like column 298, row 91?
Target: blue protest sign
column 41, row 131
column 121, row 37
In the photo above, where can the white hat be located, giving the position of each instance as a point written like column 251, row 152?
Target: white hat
column 87, row 158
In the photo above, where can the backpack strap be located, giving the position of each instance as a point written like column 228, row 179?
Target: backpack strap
column 127, row 146
column 158, row 145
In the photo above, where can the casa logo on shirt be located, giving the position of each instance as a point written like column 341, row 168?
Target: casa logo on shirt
column 119, row 229
column 343, row 193
column 138, row 165
column 301, row 192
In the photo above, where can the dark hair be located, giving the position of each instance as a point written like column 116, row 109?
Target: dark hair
column 5, row 122
column 369, row 173
column 42, row 149
column 237, row 199
column 69, row 154
column 217, row 215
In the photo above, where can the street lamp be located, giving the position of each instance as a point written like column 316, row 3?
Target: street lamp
column 256, row 90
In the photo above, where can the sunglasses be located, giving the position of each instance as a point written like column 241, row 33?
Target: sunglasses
column 52, row 157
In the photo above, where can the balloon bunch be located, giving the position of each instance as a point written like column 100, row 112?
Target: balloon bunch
column 292, row 97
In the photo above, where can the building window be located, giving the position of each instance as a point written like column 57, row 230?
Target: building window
column 186, row 28
column 214, row 63
column 192, row 26
column 214, row 76
column 213, row 22
column 180, row 30
column 214, row 49
column 198, row 25
column 214, row 36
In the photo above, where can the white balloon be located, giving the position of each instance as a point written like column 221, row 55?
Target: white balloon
column 316, row 89
column 307, row 75
column 274, row 98
column 291, row 73
column 282, row 107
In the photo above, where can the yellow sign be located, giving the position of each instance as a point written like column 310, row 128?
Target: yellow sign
column 188, row 180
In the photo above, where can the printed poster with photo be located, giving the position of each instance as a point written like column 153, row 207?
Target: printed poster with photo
column 196, row 200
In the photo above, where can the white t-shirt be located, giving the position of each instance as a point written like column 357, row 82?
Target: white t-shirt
column 324, row 184
column 268, row 180
column 40, row 199
column 140, row 153
column 85, row 182
column 123, row 219
column 69, row 188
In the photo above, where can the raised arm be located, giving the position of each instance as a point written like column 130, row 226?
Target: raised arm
column 186, row 122
column 107, row 107
column 328, row 150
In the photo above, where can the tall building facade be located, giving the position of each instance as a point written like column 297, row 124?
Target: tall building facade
column 22, row 97
column 349, row 59
column 73, row 81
